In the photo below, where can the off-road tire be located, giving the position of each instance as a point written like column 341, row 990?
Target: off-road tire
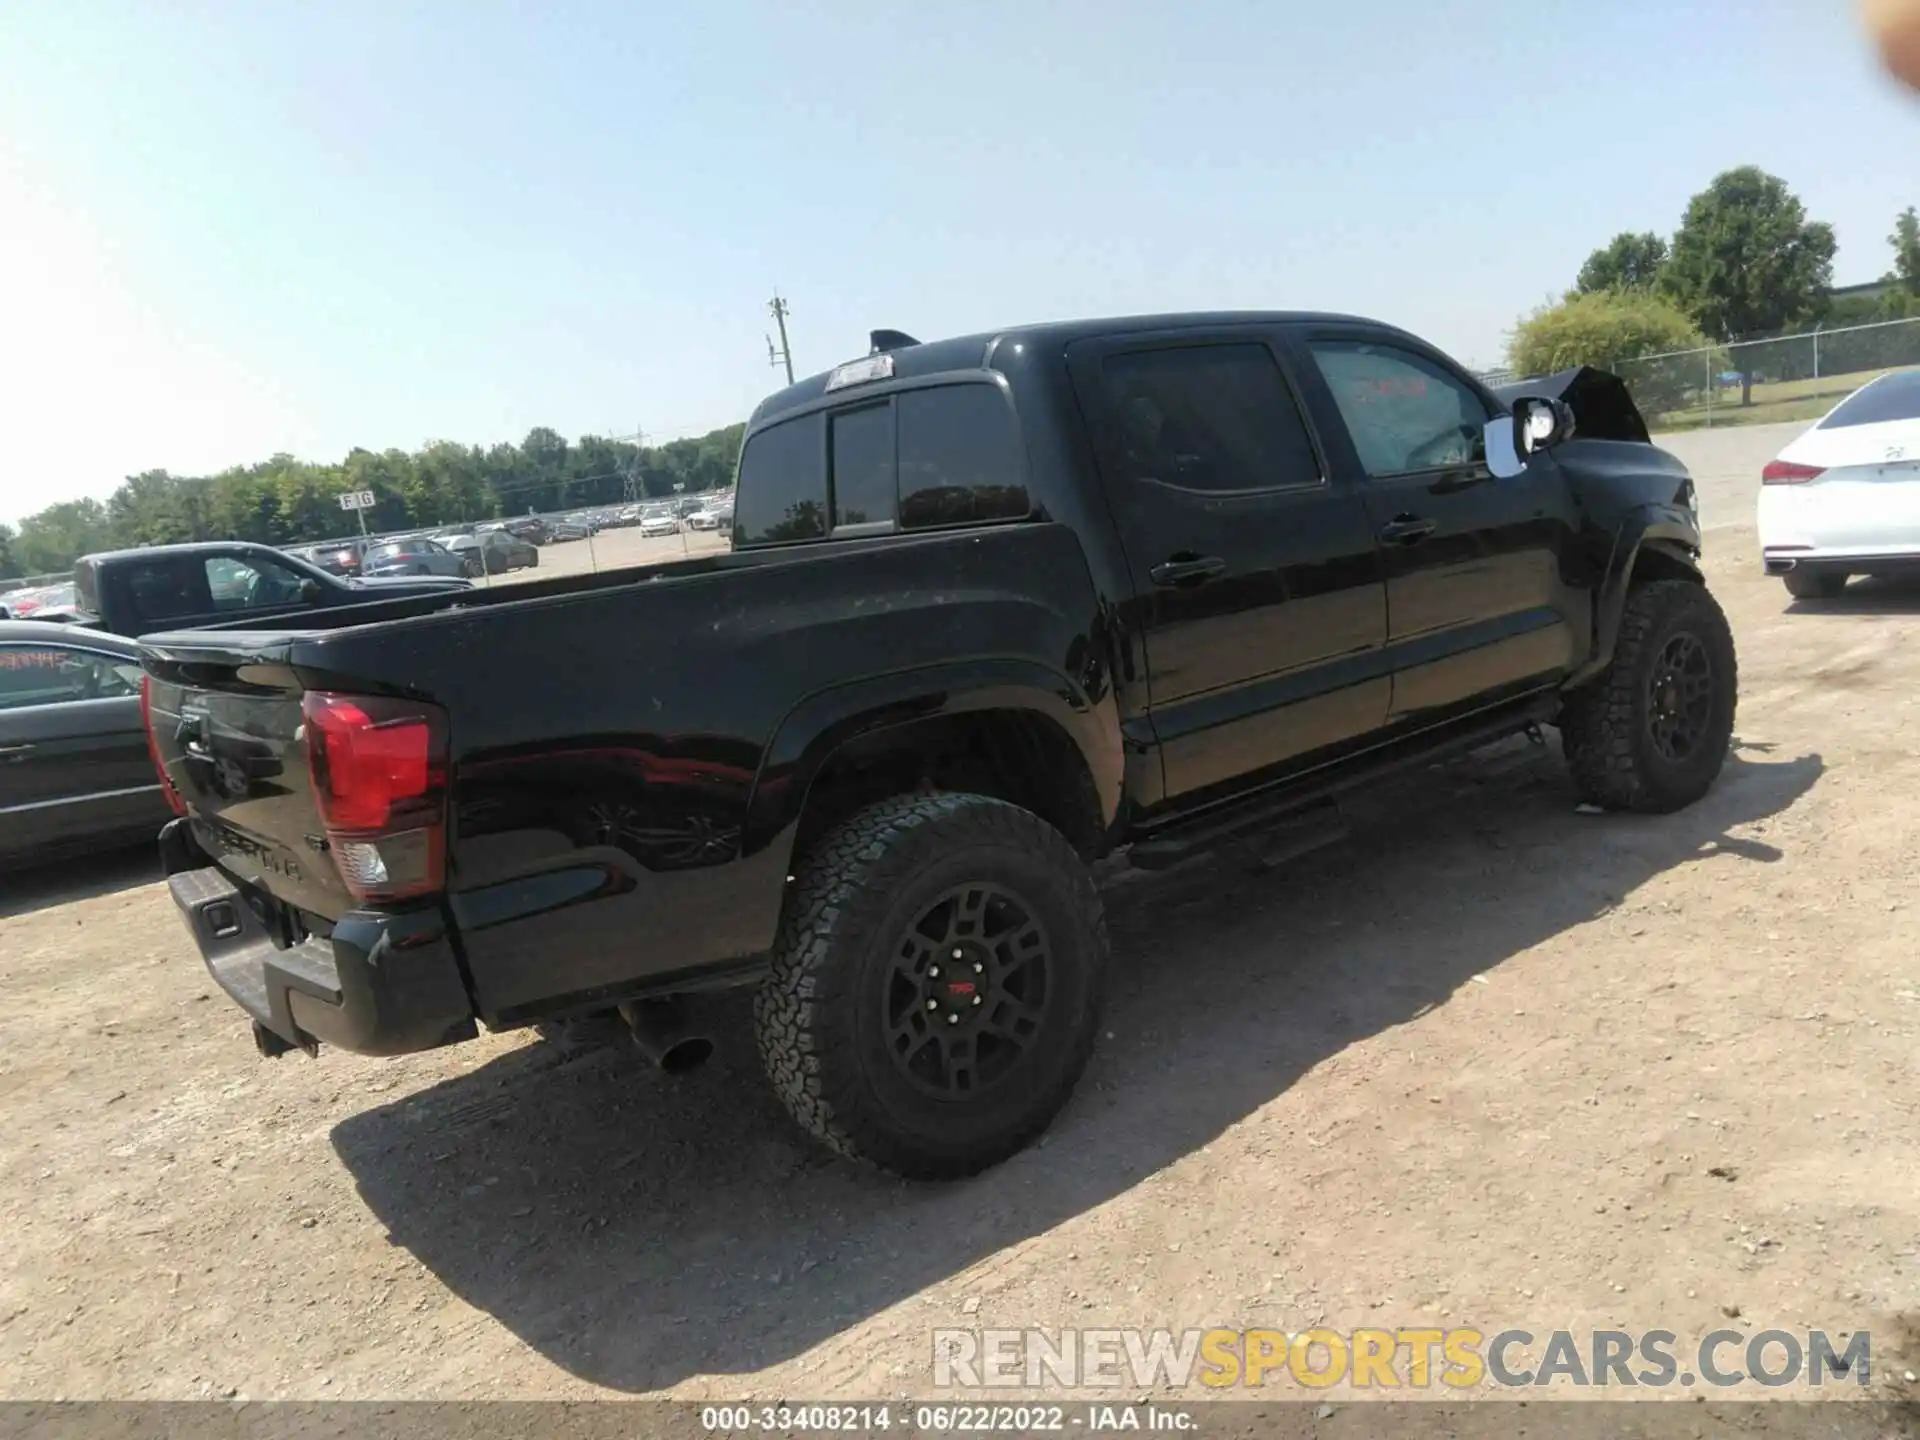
column 1604, row 727
column 1805, row 584
column 819, row 1017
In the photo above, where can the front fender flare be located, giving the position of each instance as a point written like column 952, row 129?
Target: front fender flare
column 1667, row 532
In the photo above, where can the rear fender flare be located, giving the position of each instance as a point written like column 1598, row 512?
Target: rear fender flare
column 821, row 724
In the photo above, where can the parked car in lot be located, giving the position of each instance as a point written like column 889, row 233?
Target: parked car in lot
column 417, row 556
column 998, row 606
column 129, row 592
column 661, row 521
column 75, row 771
column 52, row 604
column 562, row 530
column 337, row 557
column 531, row 528
column 1843, row 499
column 494, row 552
column 710, row 517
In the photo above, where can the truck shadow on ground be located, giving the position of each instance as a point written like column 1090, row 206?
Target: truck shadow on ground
column 84, row 877
column 637, row 1230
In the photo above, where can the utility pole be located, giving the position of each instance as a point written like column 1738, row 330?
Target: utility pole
column 784, row 355
column 633, row 470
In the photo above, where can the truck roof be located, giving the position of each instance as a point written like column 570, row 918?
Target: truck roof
column 971, row 352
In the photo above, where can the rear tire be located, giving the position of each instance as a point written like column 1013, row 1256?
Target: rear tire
column 1804, row 584
column 1652, row 732
column 936, row 984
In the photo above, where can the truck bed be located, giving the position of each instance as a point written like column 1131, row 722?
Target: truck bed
column 625, row 753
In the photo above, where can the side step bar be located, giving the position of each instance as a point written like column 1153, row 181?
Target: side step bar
column 1304, row 815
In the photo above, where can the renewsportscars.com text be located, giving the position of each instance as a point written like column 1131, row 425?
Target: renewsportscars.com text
column 1459, row 1358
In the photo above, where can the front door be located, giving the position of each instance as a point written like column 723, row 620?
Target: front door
column 73, row 752
column 1257, row 581
column 1477, row 608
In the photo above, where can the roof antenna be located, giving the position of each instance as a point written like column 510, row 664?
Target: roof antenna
column 884, row 340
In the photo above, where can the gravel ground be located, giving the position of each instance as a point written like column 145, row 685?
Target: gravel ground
column 1490, row 1062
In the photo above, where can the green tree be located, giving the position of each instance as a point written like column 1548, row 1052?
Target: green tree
column 1906, row 251
column 1627, row 262
column 1746, row 260
column 50, row 541
column 9, row 567
column 1614, row 330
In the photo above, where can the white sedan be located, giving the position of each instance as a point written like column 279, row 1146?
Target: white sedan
column 1844, row 498
column 660, row 522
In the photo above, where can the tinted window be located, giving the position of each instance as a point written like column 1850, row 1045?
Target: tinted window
column 1208, row 417
column 863, row 465
column 53, row 675
column 1891, row 397
column 960, row 461
column 167, row 589
column 783, row 484
column 1403, row 411
column 237, row 585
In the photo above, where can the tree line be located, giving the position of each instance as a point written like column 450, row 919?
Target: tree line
column 1744, row 262
column 282, row 500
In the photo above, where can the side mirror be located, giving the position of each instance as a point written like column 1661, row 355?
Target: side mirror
column 1535, row 425
column 310, row 593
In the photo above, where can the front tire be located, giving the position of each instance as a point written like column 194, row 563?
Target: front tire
column 1804, row 584
column 936, row 984
column 1652, row 732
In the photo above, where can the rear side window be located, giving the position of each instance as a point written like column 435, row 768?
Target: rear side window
column 782, row 493
column 168, row 589
column 959, row 458
column 1891, row 397
column 1208, row 418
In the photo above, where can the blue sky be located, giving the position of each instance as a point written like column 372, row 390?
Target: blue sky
column 230, row 229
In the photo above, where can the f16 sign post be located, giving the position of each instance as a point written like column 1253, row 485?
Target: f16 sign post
column 358, row 501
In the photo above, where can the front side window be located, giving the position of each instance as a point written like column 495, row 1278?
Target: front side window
column 57, row 674
column 239, row 585
column 1216, row 418
column 1403, row 412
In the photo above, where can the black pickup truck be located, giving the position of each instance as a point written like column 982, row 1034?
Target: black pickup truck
column 129, row 592
column 996, row 607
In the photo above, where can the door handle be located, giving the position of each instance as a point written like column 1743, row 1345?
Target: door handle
column 1407, row 529
column 1187, row 569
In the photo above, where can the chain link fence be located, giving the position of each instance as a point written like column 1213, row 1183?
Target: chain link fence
column 1757, row 382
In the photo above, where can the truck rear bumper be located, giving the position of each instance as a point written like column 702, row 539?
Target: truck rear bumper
column 379, row 985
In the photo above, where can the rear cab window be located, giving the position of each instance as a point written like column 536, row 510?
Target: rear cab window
column 920, row 458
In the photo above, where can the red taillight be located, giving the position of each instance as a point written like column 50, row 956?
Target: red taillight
column 379, row 769
column 153, row 746
column 1785, row 472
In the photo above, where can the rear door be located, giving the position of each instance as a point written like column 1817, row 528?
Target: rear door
column 1257, row 580
column 1476, row 605
column 73, row 752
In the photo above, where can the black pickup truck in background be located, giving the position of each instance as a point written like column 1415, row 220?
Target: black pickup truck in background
column 997, row 606
column 129, row 592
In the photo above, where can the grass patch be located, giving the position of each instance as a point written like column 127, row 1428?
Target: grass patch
column 1773, row 402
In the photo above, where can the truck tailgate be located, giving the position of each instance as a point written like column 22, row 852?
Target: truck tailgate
column 228, row 732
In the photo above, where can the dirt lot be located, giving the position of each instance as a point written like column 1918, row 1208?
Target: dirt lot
column 1492, row 1062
